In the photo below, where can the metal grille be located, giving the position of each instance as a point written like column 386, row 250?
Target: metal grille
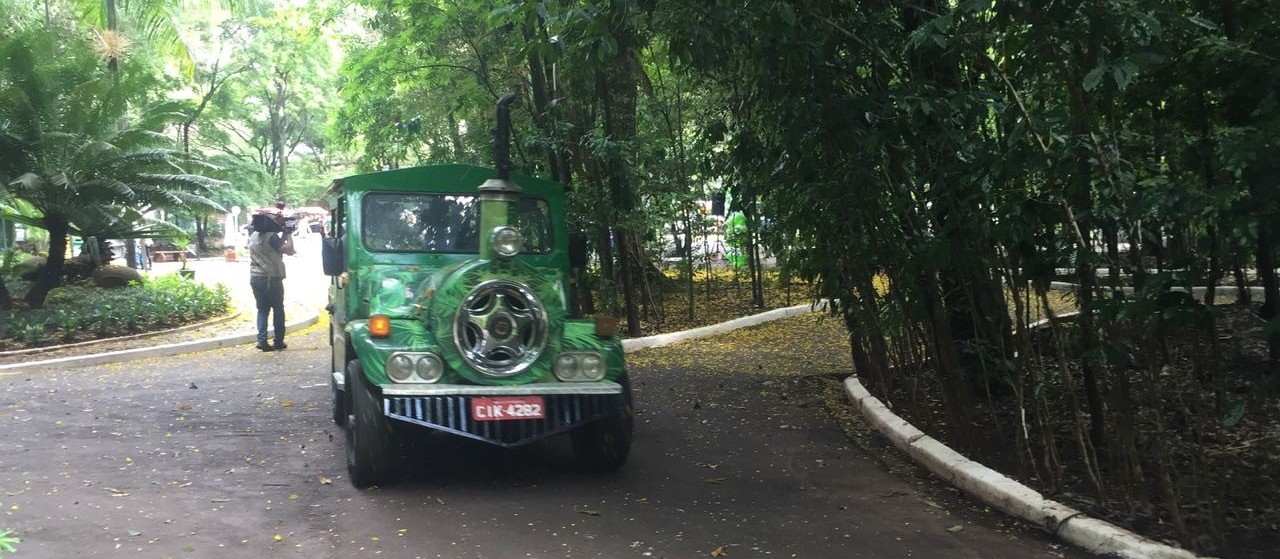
column 452, row 414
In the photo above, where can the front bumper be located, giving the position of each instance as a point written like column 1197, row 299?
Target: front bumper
column 447, row 408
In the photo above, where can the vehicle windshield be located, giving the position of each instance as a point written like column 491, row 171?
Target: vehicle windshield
column 415, row 222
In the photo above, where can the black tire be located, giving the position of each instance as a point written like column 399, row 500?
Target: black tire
column 369, row 445
column 339, row 403
column 603, row 445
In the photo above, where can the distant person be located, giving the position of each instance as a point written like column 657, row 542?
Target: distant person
column 268, row 244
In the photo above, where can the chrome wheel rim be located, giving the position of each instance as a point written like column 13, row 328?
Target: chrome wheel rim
column 500, row 328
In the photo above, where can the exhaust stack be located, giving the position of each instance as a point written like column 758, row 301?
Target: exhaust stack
column 497, row 195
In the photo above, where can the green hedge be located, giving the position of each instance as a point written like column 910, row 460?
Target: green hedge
column 78, row 313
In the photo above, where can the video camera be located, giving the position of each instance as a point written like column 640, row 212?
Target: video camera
column 291, row 224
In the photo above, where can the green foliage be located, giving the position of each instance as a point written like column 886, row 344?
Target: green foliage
column 276, row 100
column 8, row 542
column 78, row 312
column 75, row 155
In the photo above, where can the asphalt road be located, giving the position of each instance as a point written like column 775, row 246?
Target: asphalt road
column 230, row 454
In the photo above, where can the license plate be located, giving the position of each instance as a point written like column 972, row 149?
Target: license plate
column 507, row 408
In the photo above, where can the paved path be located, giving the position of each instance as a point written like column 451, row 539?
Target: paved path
column 229, row 453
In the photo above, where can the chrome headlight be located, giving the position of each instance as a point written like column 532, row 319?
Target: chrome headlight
column 415, row 367
column 506, row 241
column 566, row 367
column 400, row 367
column 429, row 368
column 579, row 366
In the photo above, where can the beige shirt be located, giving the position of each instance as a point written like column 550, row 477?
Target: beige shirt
column 264, row 259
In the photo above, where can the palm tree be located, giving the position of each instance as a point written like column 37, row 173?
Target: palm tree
column 68, row 150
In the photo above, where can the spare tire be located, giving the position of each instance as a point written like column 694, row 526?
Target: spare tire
column 498, row 323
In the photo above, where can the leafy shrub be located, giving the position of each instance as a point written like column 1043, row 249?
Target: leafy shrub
column 80, row 311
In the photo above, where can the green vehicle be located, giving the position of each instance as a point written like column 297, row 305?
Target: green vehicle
column 449, row 312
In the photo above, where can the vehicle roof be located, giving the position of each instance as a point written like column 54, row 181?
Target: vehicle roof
column 452, row 177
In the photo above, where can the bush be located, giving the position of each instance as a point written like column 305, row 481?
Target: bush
column 80, row 312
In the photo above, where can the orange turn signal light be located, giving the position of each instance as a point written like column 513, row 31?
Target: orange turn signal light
column 379, row 326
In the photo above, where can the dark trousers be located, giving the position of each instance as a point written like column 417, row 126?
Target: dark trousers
column 269, row 295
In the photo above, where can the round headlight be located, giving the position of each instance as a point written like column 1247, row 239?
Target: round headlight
column 591, row 367
column 399, row 367
column 429, row 368
column 566, row 367
column 506, row 241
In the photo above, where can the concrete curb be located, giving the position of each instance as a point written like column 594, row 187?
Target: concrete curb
column 148, row 352
column 997, row 490
column 1198, row 292
column 660, row 340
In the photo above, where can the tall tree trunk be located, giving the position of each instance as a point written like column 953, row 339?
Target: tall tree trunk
column 956, row 397
column 1207, row 171
column 6, row 299
column 1079, row 195
column 278, row 103
column 51, row 276
column 113, row 23
column 1086, row 274
column 130, row 253
column 202, row 234
column 617, row 90
column 1243, row 295
column 753, row 252
column 1215, row 271
column 6, row 257
column 1261, row 178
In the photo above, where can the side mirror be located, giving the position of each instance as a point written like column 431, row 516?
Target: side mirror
column 333, row 256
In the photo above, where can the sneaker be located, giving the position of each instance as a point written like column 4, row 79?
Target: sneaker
column 280, row 346
column 264, row 347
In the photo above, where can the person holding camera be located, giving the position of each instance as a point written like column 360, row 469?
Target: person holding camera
column 268, row 243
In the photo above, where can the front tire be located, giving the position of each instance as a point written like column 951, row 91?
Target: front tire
column 604, row 445
column 368, row 431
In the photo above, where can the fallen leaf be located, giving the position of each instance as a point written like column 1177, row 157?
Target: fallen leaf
column 184, row 407
column 135, row 533
column 589, row 512
column 279, row 537
column 715, row 479
column 719, row 552
column 293, row 496
column 286, row 404
column 325, row 480
column 956, row 528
